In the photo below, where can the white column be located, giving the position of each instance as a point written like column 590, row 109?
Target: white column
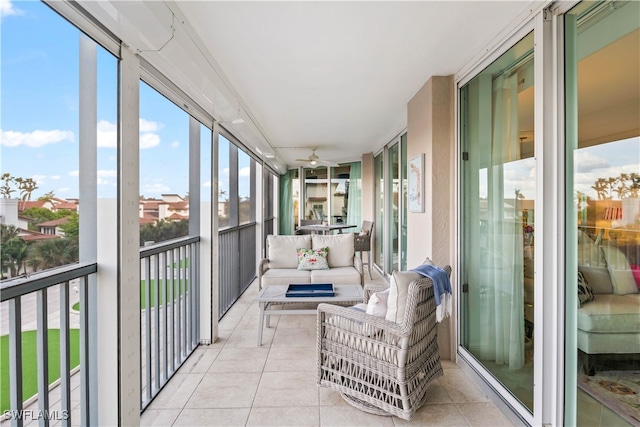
column 119, row 267
column 215, row 261
column 88, row 193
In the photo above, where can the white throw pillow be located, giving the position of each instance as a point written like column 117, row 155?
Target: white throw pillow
column 377, row 305
column 398, row 292
column 621, row 275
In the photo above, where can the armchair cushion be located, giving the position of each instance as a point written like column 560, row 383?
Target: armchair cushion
column 398, row 291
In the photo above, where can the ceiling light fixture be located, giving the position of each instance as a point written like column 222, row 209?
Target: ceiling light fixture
column 313, row 162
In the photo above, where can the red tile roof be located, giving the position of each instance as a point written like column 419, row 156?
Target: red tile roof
column 65, row 205
column 54, row 223
column 31, row 204
column 32, row 236
column 175, row 217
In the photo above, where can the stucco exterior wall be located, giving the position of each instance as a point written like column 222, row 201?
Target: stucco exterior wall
column 430, row 131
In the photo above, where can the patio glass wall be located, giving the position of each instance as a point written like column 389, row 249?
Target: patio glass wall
column 602, row 95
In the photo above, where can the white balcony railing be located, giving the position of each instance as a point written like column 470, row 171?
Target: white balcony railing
column 169, row 315
column 19, row 293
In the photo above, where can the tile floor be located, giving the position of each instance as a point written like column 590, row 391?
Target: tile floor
column 233, row 382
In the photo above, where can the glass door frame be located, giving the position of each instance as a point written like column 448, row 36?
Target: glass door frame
column 387, row 246
column 549, row 251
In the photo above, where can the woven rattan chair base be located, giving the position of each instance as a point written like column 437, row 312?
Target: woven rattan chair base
column 364, row 406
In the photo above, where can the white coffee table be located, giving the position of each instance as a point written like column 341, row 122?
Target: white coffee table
column 275, row 295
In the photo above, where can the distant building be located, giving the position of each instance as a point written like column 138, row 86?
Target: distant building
column 172, row 207
column 53, row 227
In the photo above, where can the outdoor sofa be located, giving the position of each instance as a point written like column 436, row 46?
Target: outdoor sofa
column 280, row 267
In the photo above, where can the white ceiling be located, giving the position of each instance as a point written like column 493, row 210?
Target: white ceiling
column 334, row 75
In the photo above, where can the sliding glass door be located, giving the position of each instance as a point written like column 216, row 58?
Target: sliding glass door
column 390, row 188
column 498, row 219
column 602, row 99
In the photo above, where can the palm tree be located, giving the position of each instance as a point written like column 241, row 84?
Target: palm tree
column 55, row 252
column 601, row 188
column 14, row 249
column 26, row 186
column 47, row 196
column 6, row 189
column 634, row 190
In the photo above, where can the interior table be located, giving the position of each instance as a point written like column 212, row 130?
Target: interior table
column 275, row 295
column 324, row 229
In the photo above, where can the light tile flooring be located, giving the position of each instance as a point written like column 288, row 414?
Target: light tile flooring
column 233, row 382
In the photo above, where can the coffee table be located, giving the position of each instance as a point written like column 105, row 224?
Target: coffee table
column 275, row 295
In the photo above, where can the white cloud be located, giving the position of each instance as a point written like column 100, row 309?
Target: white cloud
column 62, row 190
column 149, row 140
column 107, row 173
column 37, row 138
column 206, row 184
column 54, row 177
column 175, row 144
column 246, row 171
column 107, row 134
column 7, row 9
column 149, row 126
column 101, row 181
column 587, row 162
column 156, row 188
column 39, row 179
column 74, row 173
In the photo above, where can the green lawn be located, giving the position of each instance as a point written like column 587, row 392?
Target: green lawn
column 29, row 362
column 143, row 292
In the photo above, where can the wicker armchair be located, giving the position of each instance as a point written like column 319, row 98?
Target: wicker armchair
column 362, row 242
column 378, row 366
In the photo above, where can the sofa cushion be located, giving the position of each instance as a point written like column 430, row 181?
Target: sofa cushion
column 598, row 278
column 585, row 294
column 313, row 259
column 620, row 271
column 590, row 254
column 341, row 248
column 285, row 276
column 337, row 276
column 611, row 314
column 635, row 270
column 283, row 250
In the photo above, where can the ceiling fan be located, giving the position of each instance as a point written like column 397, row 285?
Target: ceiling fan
column 314, row 160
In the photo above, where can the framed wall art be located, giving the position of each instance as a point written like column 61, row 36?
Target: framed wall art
column 416, row 183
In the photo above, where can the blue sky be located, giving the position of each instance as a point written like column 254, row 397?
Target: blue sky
column 39, row 112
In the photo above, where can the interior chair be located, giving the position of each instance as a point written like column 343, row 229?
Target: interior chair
column 363, row 240
column 308, row 222
column 379, row 366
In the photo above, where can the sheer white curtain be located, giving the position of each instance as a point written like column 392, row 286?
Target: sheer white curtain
column 503, row 304
column 354, row 203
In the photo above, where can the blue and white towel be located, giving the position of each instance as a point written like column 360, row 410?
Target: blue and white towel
column 441, row 288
